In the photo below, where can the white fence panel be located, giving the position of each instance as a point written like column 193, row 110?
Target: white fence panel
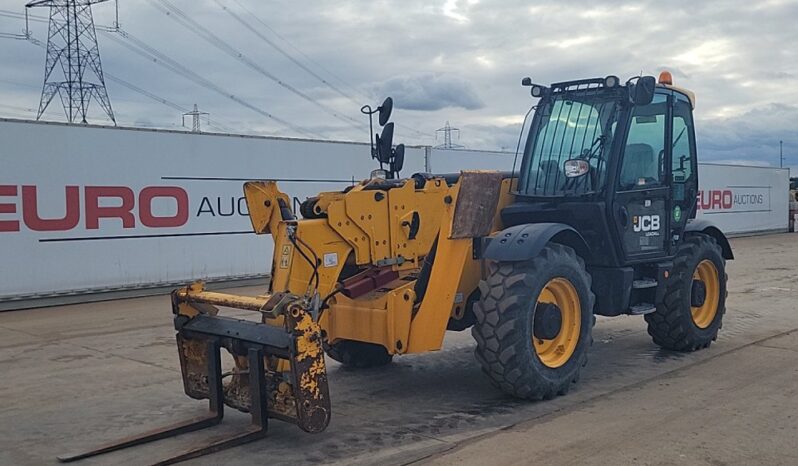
column 91, row 208
column 743, row 200
column 86, row 208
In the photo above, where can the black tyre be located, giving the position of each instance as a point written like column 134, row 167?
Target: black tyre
column 695, row 299
column 358, row 354
column 522, row 345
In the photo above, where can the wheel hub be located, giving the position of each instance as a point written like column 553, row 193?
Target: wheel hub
column 704, row 294
column 548, row 321
column 698, row 293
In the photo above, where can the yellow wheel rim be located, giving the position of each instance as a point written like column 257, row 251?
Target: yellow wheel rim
column 557, row 351
column 707, row 273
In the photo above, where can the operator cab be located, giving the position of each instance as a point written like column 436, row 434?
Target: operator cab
column 617, row 162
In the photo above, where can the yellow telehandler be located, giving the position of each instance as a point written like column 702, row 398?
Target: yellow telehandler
column 599, row 219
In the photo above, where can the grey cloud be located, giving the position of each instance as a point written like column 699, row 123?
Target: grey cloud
column 752, row 136
column 429, row 92
column 503, row 138
column 736, row 55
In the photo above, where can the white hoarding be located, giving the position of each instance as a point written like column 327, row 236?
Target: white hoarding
column 738, row 199
column 743, row 200
column 86, row 209
column 89, row 208
column 454, row 160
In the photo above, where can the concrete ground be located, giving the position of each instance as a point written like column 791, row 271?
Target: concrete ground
column 75, row 376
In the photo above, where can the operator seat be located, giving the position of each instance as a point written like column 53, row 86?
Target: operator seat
column 638, row 164
column 550, row 177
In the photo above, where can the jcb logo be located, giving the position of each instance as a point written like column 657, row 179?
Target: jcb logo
column 645, row 223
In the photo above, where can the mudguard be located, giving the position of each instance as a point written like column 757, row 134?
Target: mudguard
column 708, row 228
column 524, row 242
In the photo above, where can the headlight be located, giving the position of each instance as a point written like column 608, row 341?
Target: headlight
column 537, row 91
column 379, row 174
column 576, row 167
column 611, row 81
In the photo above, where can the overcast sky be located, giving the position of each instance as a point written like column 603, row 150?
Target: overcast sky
column 455, row 60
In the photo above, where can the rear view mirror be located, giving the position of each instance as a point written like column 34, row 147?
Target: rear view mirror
column 398, row 159
column 642, row 91
column 575, row 168
column 385, row 111
column 384, row 143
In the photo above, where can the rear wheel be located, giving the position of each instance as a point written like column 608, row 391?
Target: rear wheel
column 695, row 299
column 534, row 323
column 358, row 354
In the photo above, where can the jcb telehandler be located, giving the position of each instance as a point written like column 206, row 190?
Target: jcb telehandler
column 598, row 220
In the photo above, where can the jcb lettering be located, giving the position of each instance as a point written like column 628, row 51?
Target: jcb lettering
column 646, row 223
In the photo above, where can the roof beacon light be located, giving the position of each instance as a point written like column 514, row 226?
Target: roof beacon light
column 665, row 77
column 611, row 81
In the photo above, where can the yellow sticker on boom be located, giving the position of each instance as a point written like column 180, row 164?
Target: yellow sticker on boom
column 285, row 257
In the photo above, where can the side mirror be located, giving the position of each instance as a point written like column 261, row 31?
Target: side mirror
column 385, row 111
column 642, row 92
column 384, row 143
column 398, row 159
column 575, row 168
column 526, row 81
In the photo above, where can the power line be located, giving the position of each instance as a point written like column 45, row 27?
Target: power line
column 195, row 115
column 216, row 125
column 16, row 15
column 781, row 154
column 73, row 54
column 299, row 51
column 213, row 124
column 14, row 83
column 293, row 59
column 448, row 131
column 23, row 109
column 183, row 19
column 11, row 35
column 18, row 115
column 161, row 59
column 284, row 53
column 151, row 54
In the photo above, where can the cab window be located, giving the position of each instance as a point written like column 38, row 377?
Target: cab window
column 683, row 155
column 644, row 154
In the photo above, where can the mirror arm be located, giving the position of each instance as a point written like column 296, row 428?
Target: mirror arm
column 371, row 135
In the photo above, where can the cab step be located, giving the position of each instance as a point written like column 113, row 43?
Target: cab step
column 644, row 283
column 642, row 309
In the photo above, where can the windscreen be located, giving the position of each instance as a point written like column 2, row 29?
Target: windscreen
column 568, row 127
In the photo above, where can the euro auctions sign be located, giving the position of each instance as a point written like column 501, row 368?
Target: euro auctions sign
column 743, row 200
column 735, row 199
column 83, row 208
column 96, row 203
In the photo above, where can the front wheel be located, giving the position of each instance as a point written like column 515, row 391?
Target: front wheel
column 695, row 298
column 534, row 323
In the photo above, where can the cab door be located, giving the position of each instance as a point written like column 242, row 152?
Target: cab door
column 642, row 198
column 684, row 166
